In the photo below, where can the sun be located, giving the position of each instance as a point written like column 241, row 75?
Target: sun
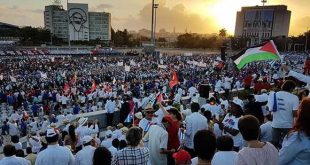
column 223, row 13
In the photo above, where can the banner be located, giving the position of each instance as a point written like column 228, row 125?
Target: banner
column 162, row 66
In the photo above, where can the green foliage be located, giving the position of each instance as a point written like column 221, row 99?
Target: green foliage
column 193, row 41
column 223, row 33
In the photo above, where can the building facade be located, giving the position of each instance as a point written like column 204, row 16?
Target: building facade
column 77, row 23
column 260, row 23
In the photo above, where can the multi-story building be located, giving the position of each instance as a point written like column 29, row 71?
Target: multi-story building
column 259, row 23
column 77, row 23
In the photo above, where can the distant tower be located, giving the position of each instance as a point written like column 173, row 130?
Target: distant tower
column 186, row 30
column 174, row 30
column 264, row 1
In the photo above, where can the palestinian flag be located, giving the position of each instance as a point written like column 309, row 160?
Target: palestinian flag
column 266, row 51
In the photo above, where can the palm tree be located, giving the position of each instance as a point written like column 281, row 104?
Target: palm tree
column 223, row 32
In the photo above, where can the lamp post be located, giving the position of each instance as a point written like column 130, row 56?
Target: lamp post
column 154, row 35
column 306, row 43
column 152, row 26
column 68, row 17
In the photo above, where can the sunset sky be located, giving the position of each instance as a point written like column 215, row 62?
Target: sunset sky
column 199, row 16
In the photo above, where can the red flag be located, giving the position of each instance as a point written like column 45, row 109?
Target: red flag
column 66, row 88
column 93, row 86
column 160, row 97
column 174, row 81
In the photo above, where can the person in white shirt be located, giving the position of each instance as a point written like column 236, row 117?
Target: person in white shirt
column 157, row 138
column 149, row 118
column 113, row 148
column 266, row 129
column 83, row 129
column 213, row 108
column 229, row 125
column 10, row 158
column 107, row 142
column 15, row 116
column 64, row 101
column 54, row 154
column 225, row 153
column 192, row 90
column 13, row 129
column 34, row 126
column 227, row 85
column 34, row 142
column 110, row 107
column 85, row 156
column 218, row 85
column 44, row 125
column 194, row 123
column 283, row 105
column 263, row 97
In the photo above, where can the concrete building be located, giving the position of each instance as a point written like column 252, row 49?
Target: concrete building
column 260, row 23
column 77, row 23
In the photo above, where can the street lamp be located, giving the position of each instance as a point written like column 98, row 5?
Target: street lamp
column 152, row 26
column 154, row 35
column 68, row 17
column 306, row 43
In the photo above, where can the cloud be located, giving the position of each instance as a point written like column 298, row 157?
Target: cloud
column 299, row 26
column 21, row 17
column 104, row 6
column 177, row 17
column 37, row 11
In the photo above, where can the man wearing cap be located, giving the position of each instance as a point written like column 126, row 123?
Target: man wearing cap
column 229, row 125
column 149, row 118
column 182, row 157
column 85, row 156
column 54, row 154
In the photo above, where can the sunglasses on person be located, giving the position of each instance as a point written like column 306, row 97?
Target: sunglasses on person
column 150, row 112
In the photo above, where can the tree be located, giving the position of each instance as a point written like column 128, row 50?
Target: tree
column 223, row 32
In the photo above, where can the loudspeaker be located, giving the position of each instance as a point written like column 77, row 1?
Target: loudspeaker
column 204, row 90
column 223, row 53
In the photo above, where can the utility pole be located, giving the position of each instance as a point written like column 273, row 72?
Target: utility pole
column 152, row 26
column 155, row 9
column 68, row 17
column 306, row 43
column 261, row 23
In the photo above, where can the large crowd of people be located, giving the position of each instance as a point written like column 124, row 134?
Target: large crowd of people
column 170, row 109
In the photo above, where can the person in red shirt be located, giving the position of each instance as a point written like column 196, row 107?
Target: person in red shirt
column 174, row 118
column 248, row 81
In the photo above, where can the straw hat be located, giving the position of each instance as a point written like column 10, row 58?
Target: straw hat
column 148, row 107
column 139, row 115
column 66, row 121
column 52, row 125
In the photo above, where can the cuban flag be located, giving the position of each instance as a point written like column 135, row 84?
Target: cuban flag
column 129, row 118
column 147, row 127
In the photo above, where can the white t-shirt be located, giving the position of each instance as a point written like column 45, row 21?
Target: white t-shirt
column 286, row 104
column 265, row 132
column 157, row 139
column 214, row 109
column 145, row 124
column 232, row 122
column 224, row 157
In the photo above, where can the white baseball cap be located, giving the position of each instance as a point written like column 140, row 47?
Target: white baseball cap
column 51, row 132
column 87, row 139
